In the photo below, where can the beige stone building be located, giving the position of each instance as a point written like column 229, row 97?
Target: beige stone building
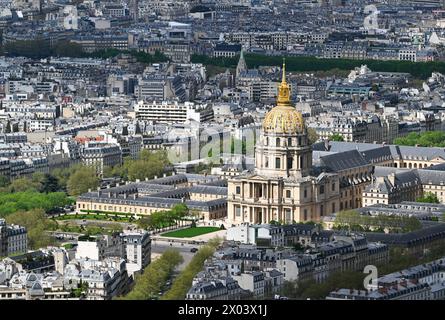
column 284, row 185
column 201, row 194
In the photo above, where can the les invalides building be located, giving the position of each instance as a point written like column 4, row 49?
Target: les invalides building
column 285, row 186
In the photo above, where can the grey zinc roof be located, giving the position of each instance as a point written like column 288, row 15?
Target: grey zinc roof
column 153, row 201
column 405, row 152
column 206, row 189
column 433, row 176
column 428, row 231
column 438, row 167
column 377, row 154
column 343, row 161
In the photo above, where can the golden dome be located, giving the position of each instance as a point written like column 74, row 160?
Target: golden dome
column 283, row 118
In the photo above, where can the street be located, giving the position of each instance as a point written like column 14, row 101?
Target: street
column 159, row 246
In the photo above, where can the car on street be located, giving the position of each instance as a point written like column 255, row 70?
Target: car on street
column 193, row 250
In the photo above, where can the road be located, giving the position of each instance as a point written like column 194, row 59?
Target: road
column 159, row 246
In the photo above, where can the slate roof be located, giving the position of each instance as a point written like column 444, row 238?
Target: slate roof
column 404, row 152
column 429, row 232
column 343, row 161
column 433, row 176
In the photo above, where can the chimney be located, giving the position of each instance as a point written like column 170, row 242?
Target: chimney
column 146, row 178
column 156, row 177
column 165, row 175
column 138, row 180
column 89, row 189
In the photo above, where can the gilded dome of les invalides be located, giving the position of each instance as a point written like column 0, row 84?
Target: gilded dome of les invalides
column 283, row 118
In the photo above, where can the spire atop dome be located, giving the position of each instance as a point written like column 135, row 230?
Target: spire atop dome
column 283, row 78
column 284, row 118
column 283, row 99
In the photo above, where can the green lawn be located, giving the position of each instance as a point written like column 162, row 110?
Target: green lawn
column 190, row 232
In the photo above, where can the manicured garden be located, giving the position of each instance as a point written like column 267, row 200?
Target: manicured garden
column 190, row 232
column 103, row 217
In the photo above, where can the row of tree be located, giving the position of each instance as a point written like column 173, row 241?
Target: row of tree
column 183, row 282
column 161, row 219
column 147, row 165
column 424, row 139
column 354, row 221
column 75, row 180
column 41, row 48
column 420, row 70
column 152, row 281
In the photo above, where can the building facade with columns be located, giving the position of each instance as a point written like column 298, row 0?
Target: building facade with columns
column 284, row 186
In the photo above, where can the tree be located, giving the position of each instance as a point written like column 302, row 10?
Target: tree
column 81, row 180
column 155, row 276
column 24, row 184
column 68, row 49
column 312, row 135
column 148, row 165
column 4, row 181
column 428, row 197
column 184, row 280
column 49, row 183
column 36, row 224
column 144, row 222
column 425, row 139
column 63, row 174
column 336, row 137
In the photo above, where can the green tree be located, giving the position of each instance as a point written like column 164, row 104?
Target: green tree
column 148, row 165
column 36, row 224
column 67, row 49
column 336, row 137
column 49, row 184
column 312, row 135
column 425, row 139
column 184, row 280
column 4, row 181
column 428, row 197
column 24, row 184
column 148, row 285
column 81, row 180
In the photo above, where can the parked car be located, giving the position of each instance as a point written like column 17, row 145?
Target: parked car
column 193, row 250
